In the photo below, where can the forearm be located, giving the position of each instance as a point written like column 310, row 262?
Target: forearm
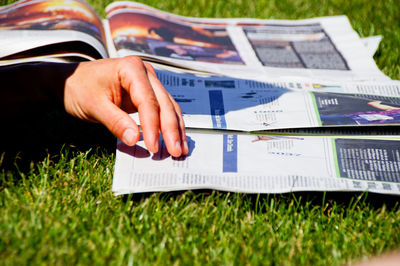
column 32, row 86
column 102, row 91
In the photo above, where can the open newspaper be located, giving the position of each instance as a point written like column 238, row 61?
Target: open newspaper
column 263, row 164
column 70, row 30
column 297, row 77
column 332, row 149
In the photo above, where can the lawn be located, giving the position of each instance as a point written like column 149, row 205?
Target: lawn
column 56, row 173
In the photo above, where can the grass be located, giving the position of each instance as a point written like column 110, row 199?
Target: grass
column 62, row 211
column 57, row 207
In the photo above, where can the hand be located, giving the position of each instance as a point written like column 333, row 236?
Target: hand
column 107, row 90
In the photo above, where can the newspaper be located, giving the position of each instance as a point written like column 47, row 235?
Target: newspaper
column 334, row 159
column 49, row 27
column 372, row 43
column 217, row 102
column 263, row 164
column 325, row 47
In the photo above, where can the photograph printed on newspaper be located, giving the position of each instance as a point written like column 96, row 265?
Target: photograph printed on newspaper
column 324, row 47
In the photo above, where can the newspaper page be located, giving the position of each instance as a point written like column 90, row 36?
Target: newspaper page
column 246, row 105
column 324, row 47
column 263, row 164
column 372, row 43
column 40, row 28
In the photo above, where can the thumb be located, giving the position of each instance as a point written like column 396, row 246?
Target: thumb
column 118, row 123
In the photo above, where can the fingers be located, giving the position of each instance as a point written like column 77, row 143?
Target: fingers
column 157, row 109
column 118, row 122
column 171, row 122
column 104, row 90
column 133, row 77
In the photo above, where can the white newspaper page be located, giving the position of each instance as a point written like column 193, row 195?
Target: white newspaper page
column 46, row 27
column 262, row 164
column 246, row 105
column 372, row 43
column 324, row 47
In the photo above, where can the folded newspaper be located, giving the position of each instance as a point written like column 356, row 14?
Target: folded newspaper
column 332, row 149
column 70, row 30
column 263, row 164
column 314, row 80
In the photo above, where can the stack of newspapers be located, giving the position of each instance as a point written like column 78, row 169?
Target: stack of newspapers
column 270, row 106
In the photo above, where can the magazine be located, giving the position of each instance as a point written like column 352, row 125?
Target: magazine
column 270, row 106
column 41, row 30
column 53, row 30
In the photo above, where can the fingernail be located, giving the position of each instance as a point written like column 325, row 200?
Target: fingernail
column 178, row 146
column 128, row 136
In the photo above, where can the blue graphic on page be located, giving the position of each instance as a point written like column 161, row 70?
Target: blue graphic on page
column 217, row 109
column 229, row 158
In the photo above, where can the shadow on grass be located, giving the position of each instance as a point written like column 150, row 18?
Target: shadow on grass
column 258, row 202
column 38, row 134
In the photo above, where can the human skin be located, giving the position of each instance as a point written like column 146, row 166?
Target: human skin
column 102, row 91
